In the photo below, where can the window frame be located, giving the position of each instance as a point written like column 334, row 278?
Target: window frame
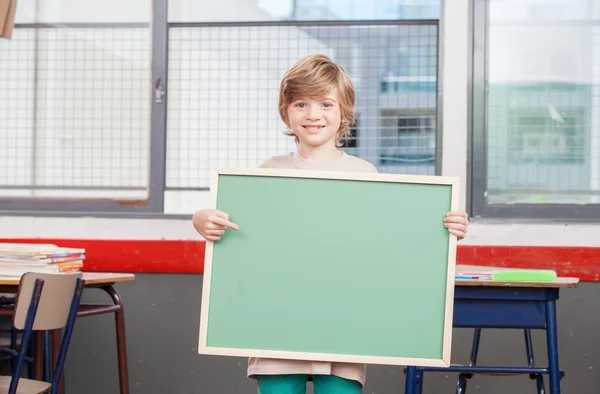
column 478, row 135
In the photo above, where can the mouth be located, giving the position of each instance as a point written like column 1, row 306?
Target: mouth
column 313, row 129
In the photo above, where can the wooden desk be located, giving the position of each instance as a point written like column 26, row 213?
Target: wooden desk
column 98, row 280
column 514, row 305
column 560, row 282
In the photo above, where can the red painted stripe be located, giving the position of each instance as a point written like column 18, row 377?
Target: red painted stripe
column 185, row 256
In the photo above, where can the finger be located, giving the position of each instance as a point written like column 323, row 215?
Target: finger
column 213, row 226
column 458, row 212
column 222, row 214
column 212, row 238
column 455, row 219
column 455, row 226
column 458, row 234
column 215, row 232
column 225, row 222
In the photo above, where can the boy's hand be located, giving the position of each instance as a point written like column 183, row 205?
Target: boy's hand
column 211, row 223
column 457, row 223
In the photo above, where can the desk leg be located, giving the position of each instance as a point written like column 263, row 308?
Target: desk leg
column 419, row 384
column 552, row 340
column 539, row 378
column 461, row 385
column 411, row 381
column 121, row 343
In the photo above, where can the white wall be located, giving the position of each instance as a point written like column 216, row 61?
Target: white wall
column 153, row 229
column 455, row 76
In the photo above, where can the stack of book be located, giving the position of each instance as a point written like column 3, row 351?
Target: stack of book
column 17, row 259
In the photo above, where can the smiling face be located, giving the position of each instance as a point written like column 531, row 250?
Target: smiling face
column 316, row 101
column 315, row 122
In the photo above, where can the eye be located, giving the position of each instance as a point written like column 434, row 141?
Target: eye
column 300, row 105
column 327, row 104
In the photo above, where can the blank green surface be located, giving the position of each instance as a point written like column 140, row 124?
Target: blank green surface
column 330, row 266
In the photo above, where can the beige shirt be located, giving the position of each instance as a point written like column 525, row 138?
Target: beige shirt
column 263, row 366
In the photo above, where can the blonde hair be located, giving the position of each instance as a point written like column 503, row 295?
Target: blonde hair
column 315, row 76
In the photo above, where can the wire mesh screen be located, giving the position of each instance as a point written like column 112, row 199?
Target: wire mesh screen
column 223, row 94
column 74, row 104
column 544, row 113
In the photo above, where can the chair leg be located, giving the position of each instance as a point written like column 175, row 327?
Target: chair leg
column 461, row 384
column 31, row 355
column 539, row 379
column 14, row 336
column 38, row 356
column 48, row 347
column 56, row 345
column 540, row 385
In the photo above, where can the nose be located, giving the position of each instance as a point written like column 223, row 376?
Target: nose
column 313, row 113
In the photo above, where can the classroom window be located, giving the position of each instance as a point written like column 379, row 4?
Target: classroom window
column 223, row 97
column 100, row 120
column 74, row 103
column 537, row 124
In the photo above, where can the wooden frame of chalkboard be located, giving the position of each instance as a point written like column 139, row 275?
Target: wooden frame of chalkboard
column 276, row 287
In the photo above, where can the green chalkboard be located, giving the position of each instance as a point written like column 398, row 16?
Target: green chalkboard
column 331, row 266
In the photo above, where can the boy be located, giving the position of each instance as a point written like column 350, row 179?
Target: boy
column 316, row 102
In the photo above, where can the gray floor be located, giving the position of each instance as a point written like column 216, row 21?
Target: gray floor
column 162, row 313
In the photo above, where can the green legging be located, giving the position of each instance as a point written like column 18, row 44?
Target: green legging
column 296, row 384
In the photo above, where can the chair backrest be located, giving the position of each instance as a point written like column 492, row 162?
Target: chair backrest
column 55, row 300
column 45, row 302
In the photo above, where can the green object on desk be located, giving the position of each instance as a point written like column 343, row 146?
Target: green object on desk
column 523, row 275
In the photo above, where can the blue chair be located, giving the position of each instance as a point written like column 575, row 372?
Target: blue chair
column 43, row 302
column 9, row 337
